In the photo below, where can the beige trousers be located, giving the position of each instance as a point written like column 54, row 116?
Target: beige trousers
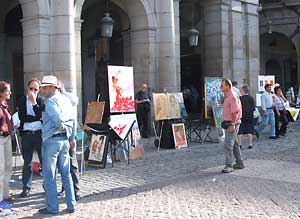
column 5, row 166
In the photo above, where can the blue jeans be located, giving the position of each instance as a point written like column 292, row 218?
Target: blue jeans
column 269, row 119
column 56, row 155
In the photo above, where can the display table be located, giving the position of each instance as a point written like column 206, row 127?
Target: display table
column 294, row 112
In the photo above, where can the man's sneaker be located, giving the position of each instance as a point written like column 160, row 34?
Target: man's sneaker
column 227, row 169
column 239, row 166
column 250, row 147
column 256, row 133
column 272, row 137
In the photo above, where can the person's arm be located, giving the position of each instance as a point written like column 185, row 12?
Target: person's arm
column 263, row 102
column 39, row 107
column 22, row 106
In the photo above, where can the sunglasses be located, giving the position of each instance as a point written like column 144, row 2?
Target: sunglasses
column 33, row 89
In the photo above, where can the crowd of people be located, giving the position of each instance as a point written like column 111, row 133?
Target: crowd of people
column 47, row 126
column 238, row 119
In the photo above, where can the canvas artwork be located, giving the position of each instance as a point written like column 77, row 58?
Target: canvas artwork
column 160, row 101
column 179, row 135
column 121, row 89
column 218, row 117
column 180, row 101
column 97, row 148
column 121, row 125
column 94, row 113
column 213, row 94
column 265, row 79
column 173, row 107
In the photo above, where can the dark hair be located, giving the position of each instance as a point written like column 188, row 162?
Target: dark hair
column 245, row 88
column 227, row 82
column 34, row 80
column 3, row 86
column 234, row 83
column 276, row 89
column 267, row 86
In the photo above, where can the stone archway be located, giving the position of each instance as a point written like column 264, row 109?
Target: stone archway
column 279, row 57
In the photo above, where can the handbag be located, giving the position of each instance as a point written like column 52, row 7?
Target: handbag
column 225, row 124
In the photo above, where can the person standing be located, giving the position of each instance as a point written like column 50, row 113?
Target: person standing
column 232, row 114
column 30, row 109
column 6, row 130
column 247, row 126
column 236, row 88
column 267, row 105
column 73, row 159
column 58, row 135
column 143, row 100
column 280, row 114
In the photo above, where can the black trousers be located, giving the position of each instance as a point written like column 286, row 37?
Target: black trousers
column 74, row 171
column 30, row 142
column 284, row 122
column 143, row 118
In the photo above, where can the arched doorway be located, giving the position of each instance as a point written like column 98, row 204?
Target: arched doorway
column 11, row 48
column 115, row 50
column 279, row 58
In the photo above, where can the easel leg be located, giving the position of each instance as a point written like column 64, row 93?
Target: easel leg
column 161, row 130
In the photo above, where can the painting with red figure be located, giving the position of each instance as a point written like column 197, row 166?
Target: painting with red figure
column 121, row 89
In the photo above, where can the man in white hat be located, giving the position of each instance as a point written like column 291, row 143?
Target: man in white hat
column 58, row 134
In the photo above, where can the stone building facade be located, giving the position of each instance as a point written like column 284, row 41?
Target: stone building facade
column 39, row 37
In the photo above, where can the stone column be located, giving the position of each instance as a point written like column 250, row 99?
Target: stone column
column 166, row 46
column 252, row 44
column 63, row 43
column 36, row 46
column 216, row 38
column 77, row 34
column 177, row 42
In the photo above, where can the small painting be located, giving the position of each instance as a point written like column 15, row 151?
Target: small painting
column 179, row 135
column 121, row 89
column 160, row 101
column 97, row 148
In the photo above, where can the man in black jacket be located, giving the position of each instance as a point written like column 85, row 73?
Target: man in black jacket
column 30, row 109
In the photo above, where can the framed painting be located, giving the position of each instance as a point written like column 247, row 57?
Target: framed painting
column 218, row 117
column 213, row 94
column 121, row 89
column 265, row 79
column 98, row 149
column 179, row 135
column 173, row 107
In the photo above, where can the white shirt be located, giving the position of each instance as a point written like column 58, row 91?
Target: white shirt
column 74, row 102
column 266, row 100
column 31, row 126
column 237, row 91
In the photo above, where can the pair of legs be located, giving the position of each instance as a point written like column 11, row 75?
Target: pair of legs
column 142, row 118
column 284, row 122
column 30, row 142
column 74, row 173
column 232, row 148
column 56, row 155
column 268, row 119
column 246, row 128
column 5, row 166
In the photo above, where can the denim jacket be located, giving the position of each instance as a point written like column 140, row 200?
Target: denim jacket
column 57, row 117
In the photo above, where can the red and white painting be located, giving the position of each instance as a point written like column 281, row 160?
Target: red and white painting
column 121, row 89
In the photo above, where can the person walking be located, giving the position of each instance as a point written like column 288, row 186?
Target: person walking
column 58, row 135
column 281, row 112
column 6, row 130
column 267, row 105
column 73, row 159
column 247, row 126
column 30, row 109
column 232, row 114
column 143, row 100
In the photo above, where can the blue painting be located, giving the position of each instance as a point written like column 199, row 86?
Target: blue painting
column 213, row 94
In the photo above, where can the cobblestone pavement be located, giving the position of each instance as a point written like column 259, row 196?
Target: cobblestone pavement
column 187, row 183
